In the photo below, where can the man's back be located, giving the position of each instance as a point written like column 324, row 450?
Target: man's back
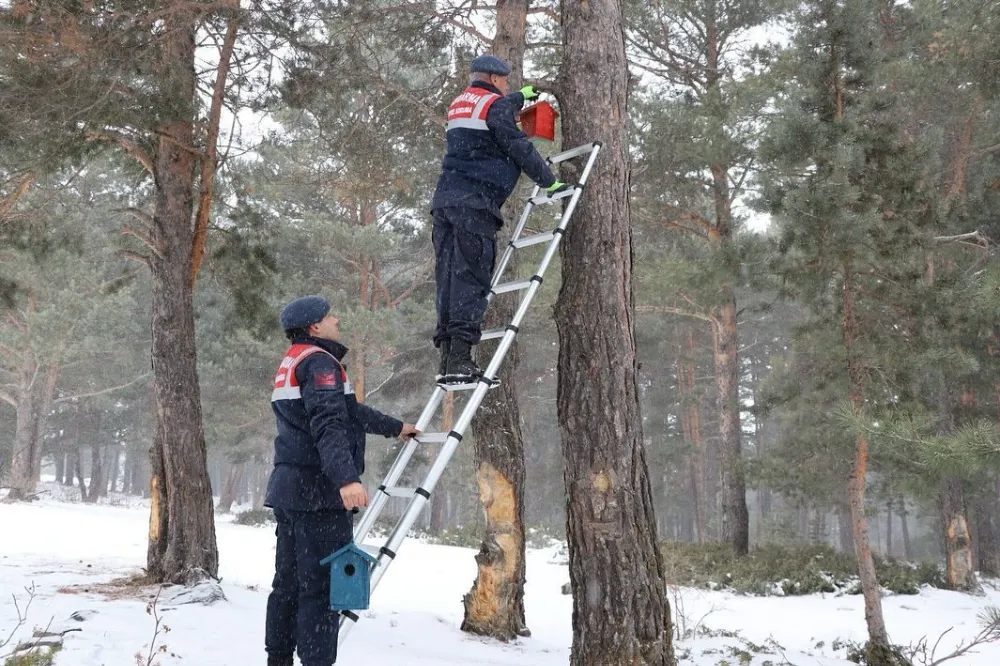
column 486, row 152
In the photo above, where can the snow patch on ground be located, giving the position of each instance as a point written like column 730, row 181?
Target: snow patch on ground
column 71, row 551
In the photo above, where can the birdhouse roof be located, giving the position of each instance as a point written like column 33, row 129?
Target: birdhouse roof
column 349, row 549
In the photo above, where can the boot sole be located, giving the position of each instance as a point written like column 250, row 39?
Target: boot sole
column 452, row 380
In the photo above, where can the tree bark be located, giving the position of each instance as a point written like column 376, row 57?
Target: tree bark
column 878, row 649
column 691, row 428
column 78, row 470
column 888, row 528
column 495, row 604
column 988, row 542
column 234, row 479
column 21, row 483
column 845, row 528
column 905, row 527
column 43, row 406
column 96, row 474
column 37, row 387
column 182, row 528
column 116, row 457
column 620, row 610
column 735, row 515
column 960, row 573
column 59, row 460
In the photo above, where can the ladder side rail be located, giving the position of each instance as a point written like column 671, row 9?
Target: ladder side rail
column 380, row 498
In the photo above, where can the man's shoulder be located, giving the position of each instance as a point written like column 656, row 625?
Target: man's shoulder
column 320, row 367
column 503, row 104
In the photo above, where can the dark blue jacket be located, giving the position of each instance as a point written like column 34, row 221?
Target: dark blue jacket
column 481, row 167
column 320, row 445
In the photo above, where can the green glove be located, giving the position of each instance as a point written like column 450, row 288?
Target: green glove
column 557, row 186
column 529, row 92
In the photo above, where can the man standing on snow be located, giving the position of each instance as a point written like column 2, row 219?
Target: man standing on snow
column 319, row 456
column 485, row 157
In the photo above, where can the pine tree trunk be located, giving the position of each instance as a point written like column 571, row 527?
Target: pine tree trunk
column 905, row 527
column 21, row 484
column 763, row 493
column 78, row 469
column 182, row 528
column 987, row 512
column 888, row 528
column 620, row 610
column 878, row 650
column 43, row 405
column 234, row 478
column 113, row 471
column 495, row 604
column 960, row 573
column 735, row 516
column 96, row 474
column 845, row 528
column 60, row 463
column 259, row 488
column 691, row 427
column 437, row 523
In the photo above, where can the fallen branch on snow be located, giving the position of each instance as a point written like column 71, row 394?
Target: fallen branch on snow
column 924, row 655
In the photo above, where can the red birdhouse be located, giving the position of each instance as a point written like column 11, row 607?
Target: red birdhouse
column 539, row 120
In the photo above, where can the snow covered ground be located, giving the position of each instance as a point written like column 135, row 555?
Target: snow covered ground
column 66, row 549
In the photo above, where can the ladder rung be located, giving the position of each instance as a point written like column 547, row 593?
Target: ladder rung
column 511, row 286
column 432, row 437
column 493, row 334
column 549, row 198
column 576, row 152
column 371, row 550
column 533, row 240
column 450, row 388
column 396, row 491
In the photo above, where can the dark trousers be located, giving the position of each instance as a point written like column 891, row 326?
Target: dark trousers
column 465, row 250
column 298, row 609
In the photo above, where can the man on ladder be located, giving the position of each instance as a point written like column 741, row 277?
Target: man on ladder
column 485, row 157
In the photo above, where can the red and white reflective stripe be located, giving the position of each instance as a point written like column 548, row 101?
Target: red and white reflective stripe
column 469, row 109
column 286, row 386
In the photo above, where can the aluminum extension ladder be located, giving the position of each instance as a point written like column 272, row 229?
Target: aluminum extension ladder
column 420, row 495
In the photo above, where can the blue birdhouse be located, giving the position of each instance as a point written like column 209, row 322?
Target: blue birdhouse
column 350, row 575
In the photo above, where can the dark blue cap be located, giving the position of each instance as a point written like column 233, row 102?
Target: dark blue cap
column 303, row 312
column 489, row 64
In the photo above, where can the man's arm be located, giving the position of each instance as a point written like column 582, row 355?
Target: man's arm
column 323, row 394
column 375, row 422
column 500, row 120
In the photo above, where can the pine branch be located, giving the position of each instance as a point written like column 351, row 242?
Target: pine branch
column 8, row 398
column 137, row 257
column 143, row 237
column 94, row 394
column 138, row 214
column 989, row 632
column 130, row 146
column 670, row 309
column 210, row 160
column 980, row 240
column 8, row 203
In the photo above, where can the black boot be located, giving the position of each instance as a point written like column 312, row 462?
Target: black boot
column 275, row 660
column 443, row 367
column 461, row 368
